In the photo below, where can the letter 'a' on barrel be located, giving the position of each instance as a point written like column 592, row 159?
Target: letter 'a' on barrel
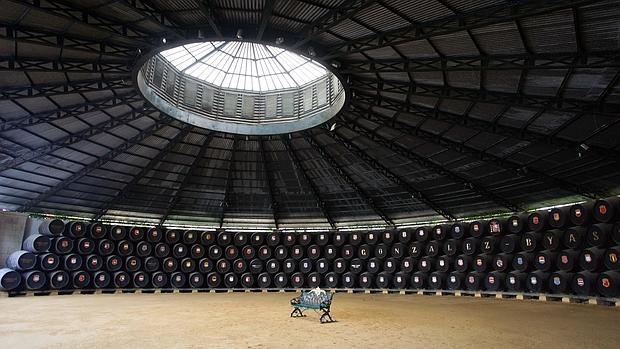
column 515, row 281
column 608, row 284
column 36, row 243
column 606, row 210
column 9, row 279
column 21, row 260
column 51, row 227
column 574, row 237
column 34, row 280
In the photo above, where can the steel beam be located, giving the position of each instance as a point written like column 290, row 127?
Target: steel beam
column 477, row 18
column 363, row 194
column 58, row 89
column 270, row 184
column 159, row 124
column 229, row 179
column 316, row 193
column 123, row 193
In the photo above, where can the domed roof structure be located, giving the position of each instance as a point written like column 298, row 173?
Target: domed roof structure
column 454, row 108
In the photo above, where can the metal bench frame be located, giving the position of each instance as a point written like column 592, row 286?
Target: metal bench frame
column 300, row 304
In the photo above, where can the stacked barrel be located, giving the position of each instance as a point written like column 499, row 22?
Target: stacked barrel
column 567, row 250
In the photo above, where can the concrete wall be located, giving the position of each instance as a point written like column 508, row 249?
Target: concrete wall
column 12, row 226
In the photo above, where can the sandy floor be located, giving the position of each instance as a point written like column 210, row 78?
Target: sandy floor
column 261, row 320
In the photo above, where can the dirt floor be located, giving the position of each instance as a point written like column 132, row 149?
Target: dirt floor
column 261, row 320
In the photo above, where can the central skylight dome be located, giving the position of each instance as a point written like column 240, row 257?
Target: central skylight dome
column 244, row 66
column 241, row 87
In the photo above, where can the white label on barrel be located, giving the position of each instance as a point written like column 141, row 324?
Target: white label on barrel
column 406, row 264
column 388, row 235
column 479, row 262
column 499, row 263
column 557, row 281
column 442, row 262
column 452, row 278
column 373, row 264
column 587, row 257
column 371, row 236
column 491, row 279
column 354, row 236
column 460, row 262
column 515, row 222
column 542, row 260
column 512, row 280
column 434, row 279
column 423, row 263
column 389, row 264
column 457, row 229
column 533, row 280
column 471, row 279
column 519, row 260
column 421, row 232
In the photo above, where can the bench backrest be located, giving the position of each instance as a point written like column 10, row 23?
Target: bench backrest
column 311, row 297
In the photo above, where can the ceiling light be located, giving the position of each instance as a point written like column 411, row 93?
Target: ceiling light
column 239, row 34
column 332, row 127
column 279, row 40
column 164, row 41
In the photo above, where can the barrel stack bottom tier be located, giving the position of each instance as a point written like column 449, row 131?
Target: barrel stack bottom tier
column 572, row 250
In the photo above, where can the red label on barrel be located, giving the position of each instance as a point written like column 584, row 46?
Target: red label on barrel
column 577, row 213
column 613, row 258
column 602, row 209
column 564, row 259
column 605, row 282
column 556, row 216
column 535, row 220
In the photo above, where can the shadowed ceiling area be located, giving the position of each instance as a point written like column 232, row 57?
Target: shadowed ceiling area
column 456, row 108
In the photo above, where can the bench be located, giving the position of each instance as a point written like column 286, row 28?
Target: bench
column 316, row 300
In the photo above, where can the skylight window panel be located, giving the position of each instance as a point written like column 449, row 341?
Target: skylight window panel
column 274, row 50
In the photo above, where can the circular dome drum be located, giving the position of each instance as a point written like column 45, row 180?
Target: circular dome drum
column 241, row 87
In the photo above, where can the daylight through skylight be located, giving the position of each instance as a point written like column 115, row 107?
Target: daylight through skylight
column 244, row 66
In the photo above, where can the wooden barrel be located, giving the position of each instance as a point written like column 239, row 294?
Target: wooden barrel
column 247, row 280
column 231, row 252
column 72, row 262
column 530, row 240
column 322, row 266
column 117, row 233
column 298, row 280
column 489, row 244
column 256, row 266
column 509, row 243
column 612, row 258
column 239, row 266
column 207, row 238
column 416, row 249
column 606, row 210
column 341, row 265
column 574, row 237
column 58, row 279
column 289, row 239
column 560, row 282
column 405, row 236
column 349, row 280
column 366, row 280
column 439, row 232
column 495, row 281
column 496, row 226
column 356, row 266
column 470, row 246
column 421, row 234
column 94, row 262
column 136, row 234
column 223, row 266
column 151, row 264
column 552, row 239
column 443, row 263
column 567, row 259
column 339, row 239
column 140, row 279
column 313, row 252
column 478, row 228
column 121, row 279
column 314, row 280
column 454, row 281
column 51, row 227
column 545, row 260
column 331, row 280
column 257, row 239
column 215, row 252
column 305, row 239
column 9, row 279
column 426, row 264
column 474, row 281
column 113, row 263
column 36, row 243
column 515, row 281
column 390, row 265
column 592, row 259
column 75, row 229
column 516, row 224
column 205, row 265
column 537, row 281
column 373, row 265
column 273, row 266
column 289, row 266
column 178, row 280
column 348, row 252
column 159, row 279
column 280, row 280
column 559, row 217
column 101, row 279
column 599, row 235
column 537, row 221
column 196, row 280
column 522, row 261
column 356, row 238
column 132, row 264
column 482, row 263
column 248, row 252
column 48, row 261
column 125, row 248
column 436, row 280
column 98, row 231
column 214, row 280
column 383, row 280
column 401, row 280
column 180, row 250
column 188, row 265
column 170, row 265
column 462, row 263
column 322, row 238
column 381, row 251
column 581, row 214
column 502, row 262
column 608, row 284
column 433, row 248
column 451, row 247
column 86, row 246
column 62, row 245
column 458, row 230
column 144, row 249
column 155, row 235
column 330, row 252
column 80, row 279
column 105, row 247
column 418, row 280
column 398, row 250
column 371, row 237
column 34, row 280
